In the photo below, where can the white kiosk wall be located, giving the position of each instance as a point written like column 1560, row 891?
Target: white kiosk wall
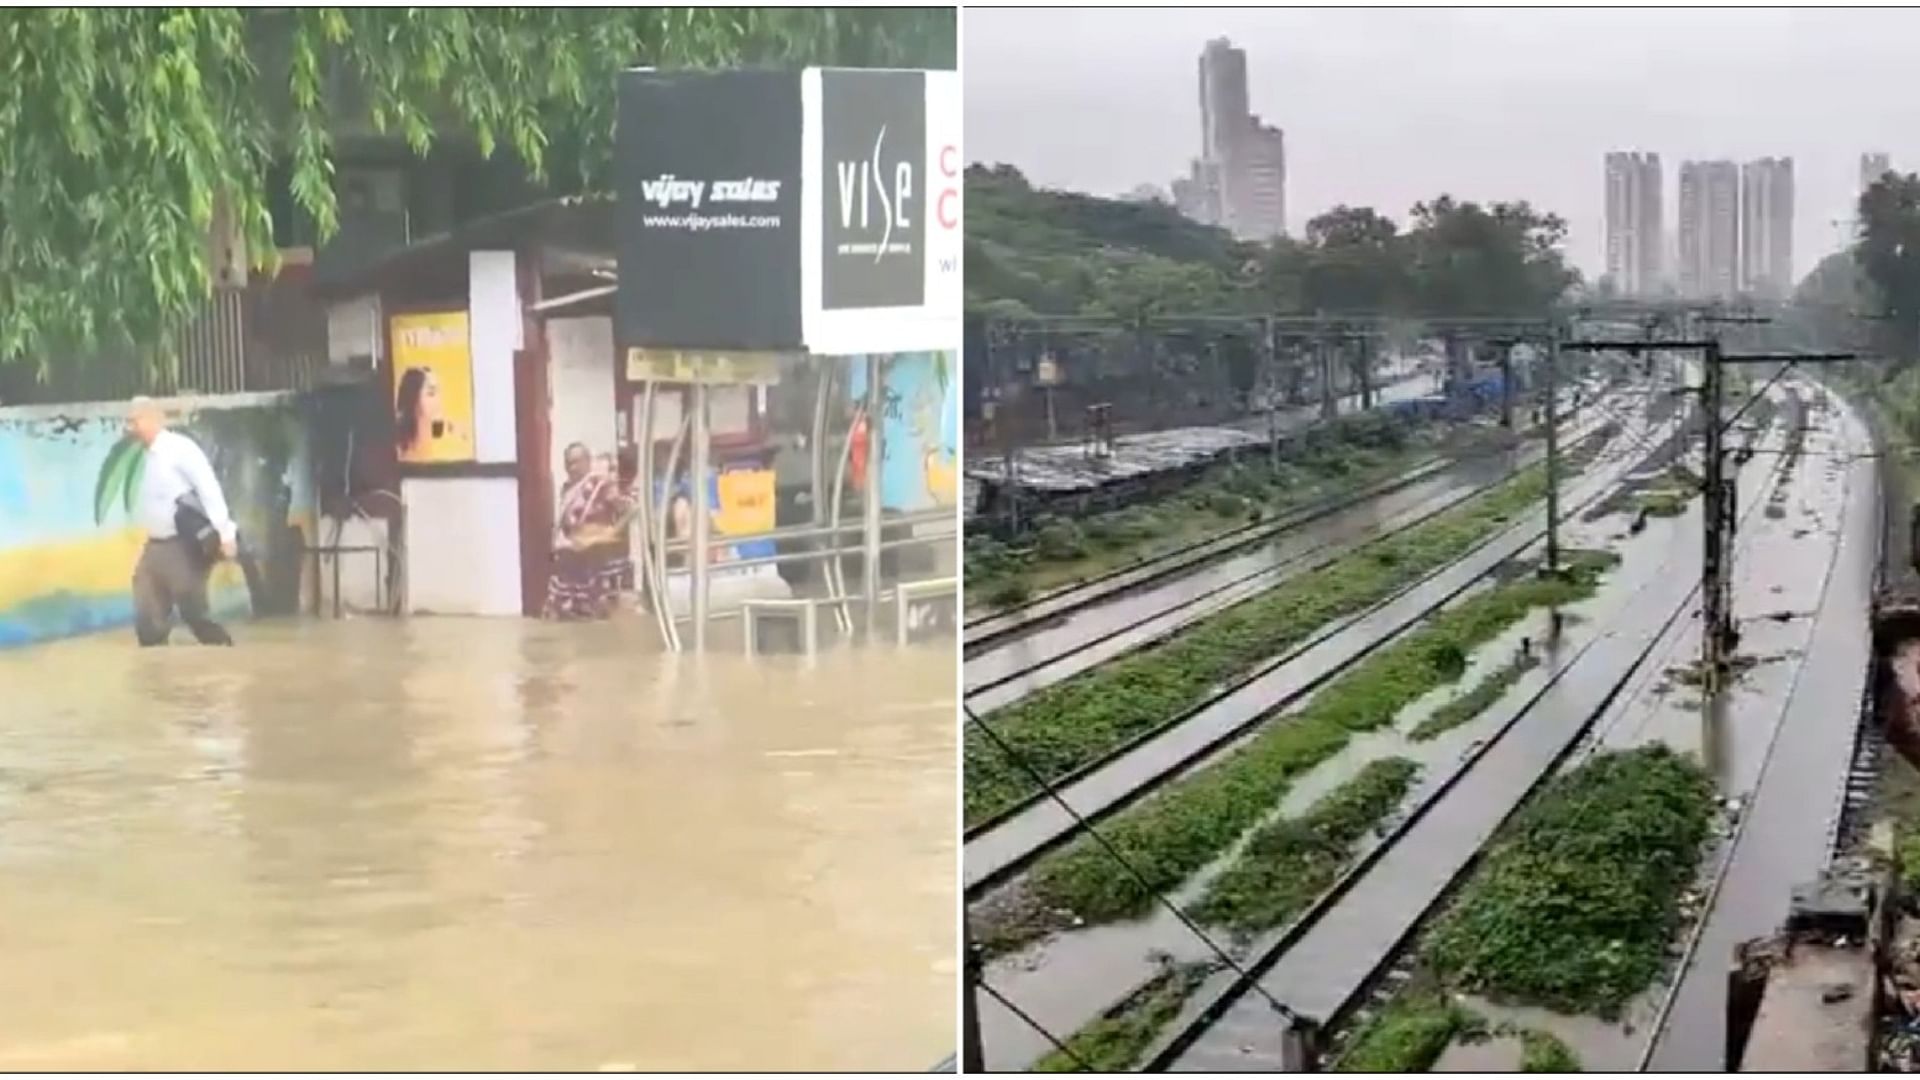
column 463, row 532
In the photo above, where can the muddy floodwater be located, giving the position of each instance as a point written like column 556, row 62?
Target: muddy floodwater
column 474, row 844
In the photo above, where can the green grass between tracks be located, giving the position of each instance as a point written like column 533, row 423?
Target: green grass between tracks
column 1291, row 861
column 1343, row 456
column 1577, row 899
column 1471, row 704
column 1415, row 1030
column 1073, row 722
column 1115, row 1041
column 1543, row 1052
column 1191, row 821
column 1409, row 1035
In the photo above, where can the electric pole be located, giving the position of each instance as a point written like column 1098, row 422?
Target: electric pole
column 1715, row 625
column 973, row 1057
column 1270, row 354
column 1553, row 453
column 1718, row 633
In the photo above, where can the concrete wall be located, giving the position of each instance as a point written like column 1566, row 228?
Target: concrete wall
column 581, row 381
column 463, row 539
column 67, row 548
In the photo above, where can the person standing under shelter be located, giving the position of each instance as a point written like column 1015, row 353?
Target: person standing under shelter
column 179, row 496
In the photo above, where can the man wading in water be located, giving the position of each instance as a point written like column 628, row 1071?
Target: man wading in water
column 179, row 497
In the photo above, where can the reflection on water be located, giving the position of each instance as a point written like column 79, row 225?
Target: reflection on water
column 473, row 844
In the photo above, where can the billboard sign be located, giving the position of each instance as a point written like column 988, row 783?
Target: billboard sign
column 707, row 166
column 882, row 231
column 815, row 210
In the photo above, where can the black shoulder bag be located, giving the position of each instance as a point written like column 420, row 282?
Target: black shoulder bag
column 192, row 526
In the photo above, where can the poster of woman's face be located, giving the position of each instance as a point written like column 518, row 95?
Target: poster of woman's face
column 433, row 395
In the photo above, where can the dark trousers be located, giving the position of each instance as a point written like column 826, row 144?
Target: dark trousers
column 169, row 576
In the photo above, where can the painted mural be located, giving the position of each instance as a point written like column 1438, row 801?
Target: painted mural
column 68, row 477
column 919, row 467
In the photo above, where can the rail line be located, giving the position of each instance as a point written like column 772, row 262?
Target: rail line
column 987, row 631
column 1225, row 1010
column 1127, row 619
column 1328, row 977
column 1798, row 812
column 1002, row 846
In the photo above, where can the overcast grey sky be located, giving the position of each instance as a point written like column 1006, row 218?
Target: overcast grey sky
column 1383, row 108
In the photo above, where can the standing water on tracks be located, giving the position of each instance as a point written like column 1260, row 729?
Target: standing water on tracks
column 473, row 844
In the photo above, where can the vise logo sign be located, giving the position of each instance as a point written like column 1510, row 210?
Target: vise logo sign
column 873, row 213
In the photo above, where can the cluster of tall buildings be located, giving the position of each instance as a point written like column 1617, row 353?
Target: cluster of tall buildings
column 1239, row 181
column 1734, row 229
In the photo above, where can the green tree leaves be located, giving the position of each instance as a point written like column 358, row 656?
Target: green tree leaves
column 1888, row 254
column 1064, row 253
column 124, row 127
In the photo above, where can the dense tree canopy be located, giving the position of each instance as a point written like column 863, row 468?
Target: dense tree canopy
column 123, row 127
column 1051, row 252
column 1887, row 252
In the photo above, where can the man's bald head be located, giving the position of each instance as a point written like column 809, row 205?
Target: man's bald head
column 145, row 421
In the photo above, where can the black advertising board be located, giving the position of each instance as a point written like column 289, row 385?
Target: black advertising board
column 873, row 204
column 708, row 177
column 815, row 210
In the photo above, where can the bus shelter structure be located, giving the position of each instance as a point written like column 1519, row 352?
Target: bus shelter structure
column 842, row 490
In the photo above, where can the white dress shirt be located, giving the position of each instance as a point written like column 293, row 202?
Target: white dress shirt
column 175, row 468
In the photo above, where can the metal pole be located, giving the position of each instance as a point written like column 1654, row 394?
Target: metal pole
column 702, row 516
column 1712, row 613
column 1329, row 398
column 876, row 450
column 1553, row 454
column 973, row 1055
column 1366, row 373
column 1506, row 386
column 1269, row 354
column 817, row 447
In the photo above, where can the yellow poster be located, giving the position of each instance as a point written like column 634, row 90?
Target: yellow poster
column 746, row 502
column 432, row 387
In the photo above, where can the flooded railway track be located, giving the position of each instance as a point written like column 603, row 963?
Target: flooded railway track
column 1223, row 1019
column 1798, row 812
column 1002, row 846
column 1136, row 616
column 1836, row 773
column 1029, row 971
column 1049, row 614
column 1350, row 947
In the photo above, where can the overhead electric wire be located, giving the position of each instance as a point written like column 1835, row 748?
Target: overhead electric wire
column 1078, row 1061
column 1081, row 824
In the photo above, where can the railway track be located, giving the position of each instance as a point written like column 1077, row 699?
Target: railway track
column 989, row 631
column 1798, row 813
column 1002, row 846
column 1803, row 750
column 1348, row 949
column 1125, row 619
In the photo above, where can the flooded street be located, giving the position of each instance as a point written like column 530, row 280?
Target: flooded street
column 474, row 844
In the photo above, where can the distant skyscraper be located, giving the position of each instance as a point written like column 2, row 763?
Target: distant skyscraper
column 1239, row 181
column 1766, row 227
column 1709, row 229
column 1259, row 176
column 1148, row 193
column 1872, row 167
column 1635, row 226
column 1224, row 109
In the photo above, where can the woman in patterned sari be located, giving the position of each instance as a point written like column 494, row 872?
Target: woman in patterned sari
column 589, row 568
